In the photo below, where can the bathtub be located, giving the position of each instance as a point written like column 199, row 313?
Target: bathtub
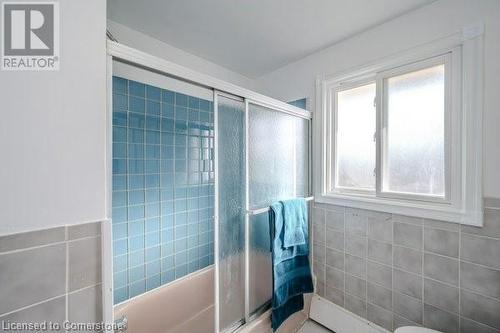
column 187, row 306
column 183, row 306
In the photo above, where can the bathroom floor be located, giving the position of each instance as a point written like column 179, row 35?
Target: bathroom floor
column 311, row 326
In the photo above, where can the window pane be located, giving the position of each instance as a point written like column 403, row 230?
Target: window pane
column 415, row 133
column 355, row 132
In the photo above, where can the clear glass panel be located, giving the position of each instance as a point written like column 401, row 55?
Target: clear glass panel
column 278, row 169
column 415, row 133
column 231, row 178
column 356, row 126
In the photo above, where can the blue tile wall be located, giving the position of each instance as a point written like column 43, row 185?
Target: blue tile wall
column 163, row 186
column 300, row 103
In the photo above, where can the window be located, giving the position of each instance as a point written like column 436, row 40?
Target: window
column 395, row 135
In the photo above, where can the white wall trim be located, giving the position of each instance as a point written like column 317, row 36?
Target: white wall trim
column 467, row 207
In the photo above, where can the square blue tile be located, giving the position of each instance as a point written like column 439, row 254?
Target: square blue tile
column 120, row 85
column 168, row 96
column 137, row 89
column 136, row 104
column 153, row 93
column 181, row 99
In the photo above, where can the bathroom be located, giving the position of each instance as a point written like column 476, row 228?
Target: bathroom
column 162, row 138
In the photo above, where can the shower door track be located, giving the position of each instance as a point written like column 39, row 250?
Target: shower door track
column 123, row 53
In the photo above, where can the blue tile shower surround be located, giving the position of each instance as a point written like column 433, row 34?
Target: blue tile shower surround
column 300, row 103
column 163, row 186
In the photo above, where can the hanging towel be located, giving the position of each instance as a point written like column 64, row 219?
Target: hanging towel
column 295, row 214
column 291, row 270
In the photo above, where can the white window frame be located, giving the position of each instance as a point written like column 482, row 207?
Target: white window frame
column 462, row 55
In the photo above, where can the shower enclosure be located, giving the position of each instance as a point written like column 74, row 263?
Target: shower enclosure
column 196, row 164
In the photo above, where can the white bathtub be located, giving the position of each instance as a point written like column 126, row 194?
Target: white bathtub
column 187, row 306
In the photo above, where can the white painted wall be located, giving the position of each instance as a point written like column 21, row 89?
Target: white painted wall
column 148, row 44
column 434, row 21
column 52, row 130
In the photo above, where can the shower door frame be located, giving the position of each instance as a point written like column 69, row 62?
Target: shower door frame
column 123, row 53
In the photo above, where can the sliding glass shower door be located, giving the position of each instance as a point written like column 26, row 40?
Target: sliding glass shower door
column 262, row 156
column 230, row 233
column 277, row 169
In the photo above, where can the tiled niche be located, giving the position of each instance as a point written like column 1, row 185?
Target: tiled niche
column 163, row 186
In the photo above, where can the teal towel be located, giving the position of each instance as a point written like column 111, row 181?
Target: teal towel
column 295, row 215
column 291, row 271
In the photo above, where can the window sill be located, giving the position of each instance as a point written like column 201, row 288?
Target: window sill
column 435, row 211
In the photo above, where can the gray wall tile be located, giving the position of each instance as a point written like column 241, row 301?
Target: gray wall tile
column 380, row 230
column 334, row 278
column 424, row 268
column 355, row 222
column 355, row 305
column 440, row 320
column 408, row 283
column 408, row 307
column 491, row 227
column 335, row 220
column 32, row 276
column 335, row 295
column 441, row 268
column 335, row 258
column 84, row 263
column 379, row 274
column 85, row 305
column 407, row 219
column 441, row 295
column 53, row 310
column 319, row 271
column 379, row 316
column 335, row 239
column 408, row 259
column 443, row 225
column 318, row 215
column 483, row 280
column 319, row 254
column 320, row 289
column 441, row 242
column 355, row 245
column 31, row 238
column 481, row 250
column 470, row 326
column 408, row 235
column 380, row 251
column 355, row 266
column 379, row 295
column 401, row 321
column 355, row 286
column 319, row 232
column 480, row 308
column 84, row 230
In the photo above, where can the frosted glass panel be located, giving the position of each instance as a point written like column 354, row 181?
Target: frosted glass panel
column 415, row 132
column 231, row 173
column 278, row 153
column 356, row 125
column 260, row 261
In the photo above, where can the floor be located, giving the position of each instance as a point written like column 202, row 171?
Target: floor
column 313, row 327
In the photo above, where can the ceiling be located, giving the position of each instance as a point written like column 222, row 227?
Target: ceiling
column 255, row 37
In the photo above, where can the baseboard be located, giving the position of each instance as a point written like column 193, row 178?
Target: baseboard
column 340, row 320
